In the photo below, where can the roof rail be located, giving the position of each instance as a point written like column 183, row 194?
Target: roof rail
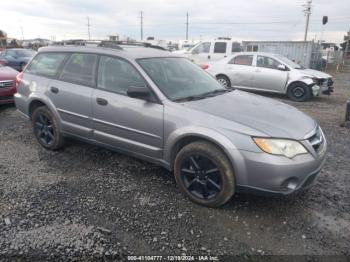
column 107, row 43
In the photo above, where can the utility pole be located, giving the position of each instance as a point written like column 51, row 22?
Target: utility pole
column 141, row 25
column 187, row 26
column 22, row 32
column 88, row 26
column 307, row 13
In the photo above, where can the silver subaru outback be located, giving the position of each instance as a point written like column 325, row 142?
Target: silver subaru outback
column 167, row 110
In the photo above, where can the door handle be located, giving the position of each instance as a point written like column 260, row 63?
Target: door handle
column 54, row 89
column 257, row 70
column 208, row 56
column 101, row 101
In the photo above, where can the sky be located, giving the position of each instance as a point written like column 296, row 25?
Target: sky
column 165, row 19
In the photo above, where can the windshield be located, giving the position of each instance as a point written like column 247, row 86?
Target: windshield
column 289, row 63
column 180, row 79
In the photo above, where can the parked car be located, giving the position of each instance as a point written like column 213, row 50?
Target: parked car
column 16, row 58
column 270, row 73
column 167, row 110
column 7, row 84
column 207, row 51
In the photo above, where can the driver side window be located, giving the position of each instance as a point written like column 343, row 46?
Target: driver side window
column 202, row 48
column 117, row 75
column 267, row 62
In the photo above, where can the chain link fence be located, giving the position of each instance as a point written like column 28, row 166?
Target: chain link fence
column 329, row 60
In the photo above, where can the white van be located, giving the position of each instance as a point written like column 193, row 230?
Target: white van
column 213, row 50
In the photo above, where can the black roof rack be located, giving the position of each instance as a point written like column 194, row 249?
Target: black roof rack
column 107, row 43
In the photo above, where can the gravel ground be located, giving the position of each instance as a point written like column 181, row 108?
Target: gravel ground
column 85, row 203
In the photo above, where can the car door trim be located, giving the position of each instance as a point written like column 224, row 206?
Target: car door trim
column 71, row 113
column 126, row 128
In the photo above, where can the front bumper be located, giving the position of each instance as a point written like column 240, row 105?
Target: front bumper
column 264, row 173
column 6, row 95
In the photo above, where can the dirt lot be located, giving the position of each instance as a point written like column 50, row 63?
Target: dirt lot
column 85, row 202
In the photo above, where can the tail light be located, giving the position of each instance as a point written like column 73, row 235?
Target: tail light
column 19, row 79
column 2, row 62
column 205, row 66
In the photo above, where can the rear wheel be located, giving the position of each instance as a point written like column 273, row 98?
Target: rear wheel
column 204, row 174
column 46, row 129
column 224, row 81
column 299, row 92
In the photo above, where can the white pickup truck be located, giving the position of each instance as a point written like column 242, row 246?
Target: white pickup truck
column 213, row 50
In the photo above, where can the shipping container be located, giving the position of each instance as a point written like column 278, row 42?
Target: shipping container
column 300, row 52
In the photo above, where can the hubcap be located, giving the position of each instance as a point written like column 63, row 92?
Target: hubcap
column 222, row 82
column 298, row 91
column 201, row 177
column 44, row 130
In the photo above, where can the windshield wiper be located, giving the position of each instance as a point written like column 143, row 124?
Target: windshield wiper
column 202, row 96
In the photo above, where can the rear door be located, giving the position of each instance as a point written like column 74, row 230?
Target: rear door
column 220, row 51
column 240, row 70
column 268, row 76
column 71, row 93
column 131, row 124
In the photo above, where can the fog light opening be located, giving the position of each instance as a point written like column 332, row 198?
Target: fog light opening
column 290, row 184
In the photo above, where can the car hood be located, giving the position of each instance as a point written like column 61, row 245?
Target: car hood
column 7, row 73
column 268, row 116
column 314, row 73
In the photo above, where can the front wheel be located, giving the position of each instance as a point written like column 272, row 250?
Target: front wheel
column 46, row 129
column 224, row 81
column 204, row 174
column 299, row 92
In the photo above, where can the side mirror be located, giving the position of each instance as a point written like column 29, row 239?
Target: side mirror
column 282, row 68
column 141, row 92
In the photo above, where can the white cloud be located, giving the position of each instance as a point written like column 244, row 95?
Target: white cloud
column 250, row 20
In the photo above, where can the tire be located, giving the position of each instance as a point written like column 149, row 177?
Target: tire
column 224, row 81
column 46, row 129
column 299, row 92
column 207, row 157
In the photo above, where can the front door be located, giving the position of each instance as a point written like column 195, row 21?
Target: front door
column 201, row 53
column 131, row 124
column 267, row 76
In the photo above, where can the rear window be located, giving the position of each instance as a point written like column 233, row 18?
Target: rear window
column 80, row 69
column 242, row 60
column 46, row 64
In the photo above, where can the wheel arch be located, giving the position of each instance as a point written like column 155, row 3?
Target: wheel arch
column 178, row 141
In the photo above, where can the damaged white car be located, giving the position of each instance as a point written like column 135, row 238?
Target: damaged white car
column 268, row 72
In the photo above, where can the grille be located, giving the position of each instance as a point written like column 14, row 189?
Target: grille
column 6, row 83
column 6, row 97
column 317, row 141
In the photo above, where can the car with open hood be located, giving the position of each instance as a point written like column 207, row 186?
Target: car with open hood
column 258, row 71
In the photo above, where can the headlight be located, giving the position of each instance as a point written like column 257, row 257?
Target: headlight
column 285, row 147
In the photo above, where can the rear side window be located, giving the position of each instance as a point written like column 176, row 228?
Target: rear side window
column 80, row 69
column 220, row 47
column 117, row 75
column 246, row 60
column 46, row 64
